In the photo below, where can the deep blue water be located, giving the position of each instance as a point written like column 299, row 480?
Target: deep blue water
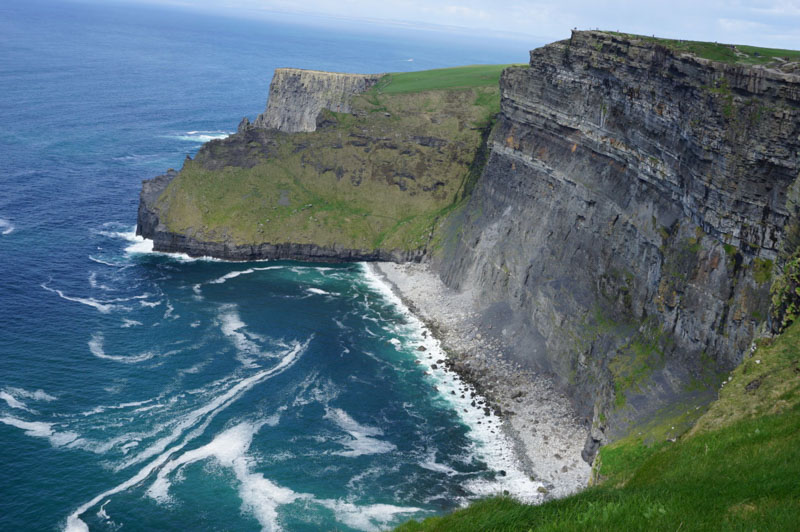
column 144, row 391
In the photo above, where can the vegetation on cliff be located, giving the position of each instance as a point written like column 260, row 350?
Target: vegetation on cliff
column 724, row 53
column 736, row 470
column 378, row 177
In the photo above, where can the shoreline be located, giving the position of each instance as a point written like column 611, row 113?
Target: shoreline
column 545, row 434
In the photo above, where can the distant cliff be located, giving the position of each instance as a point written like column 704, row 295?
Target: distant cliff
column 625, row 231
column 336, row 169
column 296, row 97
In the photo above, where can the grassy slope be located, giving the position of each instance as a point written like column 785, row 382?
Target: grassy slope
column 364, row 181
column 725, row 53
column 739, row 469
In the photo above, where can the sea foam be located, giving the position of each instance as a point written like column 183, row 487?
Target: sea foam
column 490, row 443
column 202, row 136
column 96, row 348
column 361, row 438
column 6, row 227
column 40, row 429
column 74, row 523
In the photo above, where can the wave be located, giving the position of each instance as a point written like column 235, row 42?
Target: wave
column 260, row 496
column 368, row 517
column 320, row 292
column 490, row 444
column 235, row 274
column 126, row 323
column 361, row 440
column 13, row 402
column 169, row 313
column 245, row 342
column 202, row 136
column 6, row 227
column 102, row 307
column 106, row 263
column 431, row 464
column 101, row 409
column 36, row 395
column 208, row 411
column 40, row 429
column 231, row 325
column 96, row 347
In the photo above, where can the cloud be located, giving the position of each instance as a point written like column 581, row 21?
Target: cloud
column 738, row 25
column 758, row 22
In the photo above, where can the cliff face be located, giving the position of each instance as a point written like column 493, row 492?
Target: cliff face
column 297, row 96
column 371, row 183
column 626, row 226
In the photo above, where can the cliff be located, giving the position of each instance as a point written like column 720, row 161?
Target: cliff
column 381, row 168
column 297, row 96
column 624, row 233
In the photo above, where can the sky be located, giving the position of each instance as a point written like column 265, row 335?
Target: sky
column 771, row 23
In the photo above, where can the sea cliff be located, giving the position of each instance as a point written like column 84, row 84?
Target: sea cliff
column 297, row 96
column 617, row 224
column 383, row 166
column 625, row 230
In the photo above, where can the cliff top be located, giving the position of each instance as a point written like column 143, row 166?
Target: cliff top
column 291, row 70
column 464, row 77
column 786, row 60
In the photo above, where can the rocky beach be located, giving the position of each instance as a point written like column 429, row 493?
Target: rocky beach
column 547, row 434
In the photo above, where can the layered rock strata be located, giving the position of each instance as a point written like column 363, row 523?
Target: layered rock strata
column 624, row 231
column 297, row 96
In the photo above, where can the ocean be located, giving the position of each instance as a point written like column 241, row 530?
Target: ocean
column 147, row 391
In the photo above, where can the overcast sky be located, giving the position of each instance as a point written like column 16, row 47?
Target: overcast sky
column 774, row 23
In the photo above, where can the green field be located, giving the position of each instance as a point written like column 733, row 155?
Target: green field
column 725, row 53
column 465, row 77
column 738, row 469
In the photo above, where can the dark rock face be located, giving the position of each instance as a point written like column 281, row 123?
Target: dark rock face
column 629, row 196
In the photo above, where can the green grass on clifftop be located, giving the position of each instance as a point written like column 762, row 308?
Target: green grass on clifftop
column 725, row 53
column 738, row 469
column 465, row 77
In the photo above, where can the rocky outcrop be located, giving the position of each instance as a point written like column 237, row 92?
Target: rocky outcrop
column 150, row 226
column 297, row 96
column 370, row 184
column 624, row 231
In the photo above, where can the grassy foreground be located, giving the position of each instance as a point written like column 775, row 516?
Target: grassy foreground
column 738, row 469
column 382, row 177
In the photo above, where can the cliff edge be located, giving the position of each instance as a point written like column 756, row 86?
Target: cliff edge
column 625, row 231
column 297, row 96
column 338, row 168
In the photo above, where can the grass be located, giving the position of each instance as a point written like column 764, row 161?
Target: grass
column 724, row 53
column 465, row 77
column 382, row 177
column 737, row 469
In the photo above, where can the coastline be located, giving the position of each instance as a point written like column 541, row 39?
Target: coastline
column 546, row 436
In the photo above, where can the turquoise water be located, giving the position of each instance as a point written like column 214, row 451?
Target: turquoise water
column 141, row 391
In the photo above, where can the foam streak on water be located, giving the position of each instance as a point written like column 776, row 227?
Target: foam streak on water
column 74, row 523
